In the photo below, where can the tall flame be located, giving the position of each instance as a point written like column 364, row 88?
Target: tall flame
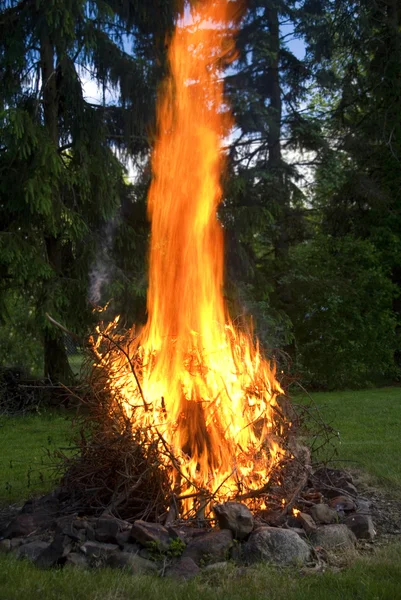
column 208, row 391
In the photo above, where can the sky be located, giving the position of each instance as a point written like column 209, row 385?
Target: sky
column 94, row 94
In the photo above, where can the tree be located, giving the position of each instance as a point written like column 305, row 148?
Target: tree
column 341, row 310
column 355, row 48
column 60, row 178
column 264, row 204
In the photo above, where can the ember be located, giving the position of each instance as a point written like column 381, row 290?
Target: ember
column 199, row 386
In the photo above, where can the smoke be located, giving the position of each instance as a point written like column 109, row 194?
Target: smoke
column 101, row 271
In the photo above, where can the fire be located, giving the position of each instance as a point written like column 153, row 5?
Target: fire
column 201, row 386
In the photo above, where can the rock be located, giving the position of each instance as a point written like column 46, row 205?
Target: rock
column 363, row 506
column 361, row 525
column 322, row 513
column 126, row 560
column 186, row 533
column 21, row 526
column 16, row 542
column 123, row 538
column 98, row 549
column 346, row 487
column 300, row 532
column 220, row 566
column 292, row 521
column 79, row 523
column 5, row 546
column 333, row 482
column 68, row 527
column 149, row 554
column 308, row 524
column 236, row 517
column 131, row 548
column 151, row 534
column 333, row 537
column 76, row 559
column 90, row 533
column 32, row 550
column 209, row 548
column 181, row 533
column 44, row 509
column 342, row 503
column 64, row 523
column 36, row 514
column 107, row 530
column 184, row 568
column 279, row 546
column 55, row 552
column 271, row 517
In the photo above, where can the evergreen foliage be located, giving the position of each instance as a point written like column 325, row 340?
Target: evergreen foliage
column 60, row 178
column 318, row 266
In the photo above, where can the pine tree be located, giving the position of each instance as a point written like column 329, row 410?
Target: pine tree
column 60, row 179
column 357, row 58
column 264, row 204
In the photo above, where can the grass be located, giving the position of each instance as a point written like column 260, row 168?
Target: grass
column 75, row 361
column 375, row 578
column 26, row 448
column 369, row 423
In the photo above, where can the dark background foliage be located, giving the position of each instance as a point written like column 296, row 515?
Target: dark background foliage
column 311, row 206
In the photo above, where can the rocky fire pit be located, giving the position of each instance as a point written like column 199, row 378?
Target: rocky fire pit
column 330, row 516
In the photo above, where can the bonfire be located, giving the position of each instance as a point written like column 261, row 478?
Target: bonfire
column 192, row 390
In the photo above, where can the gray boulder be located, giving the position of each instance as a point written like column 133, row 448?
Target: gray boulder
column 279, row 546
column 5, row 546
column 132, row 548
column 55, row 552
column 236, row 517
column 307, row 522
column 342, row 504
column 361, row 525
column 220, row 566
column 151, row 534
column 32, row 550
column 107, row 530
column 185, row 568
column 323, row 514
column 134, row 563
column 76, row 559
column 333, row 537
column 210, row 548
column 21, row 526
column 98, row 549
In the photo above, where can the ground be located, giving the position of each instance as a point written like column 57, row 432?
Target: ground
column 369, row 423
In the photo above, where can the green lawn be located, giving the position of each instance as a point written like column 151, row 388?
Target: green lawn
column 374, row 578
column 369, row 423
column 26, row 448
column 370, row 426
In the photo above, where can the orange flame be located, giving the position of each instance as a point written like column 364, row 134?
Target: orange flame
column 209, row 393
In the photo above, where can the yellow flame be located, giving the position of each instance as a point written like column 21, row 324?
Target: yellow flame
column 209, row 392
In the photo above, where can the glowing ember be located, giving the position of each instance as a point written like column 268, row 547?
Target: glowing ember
column 206, row 392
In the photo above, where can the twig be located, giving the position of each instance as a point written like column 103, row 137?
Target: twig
column 145, row 404
column 67, row 331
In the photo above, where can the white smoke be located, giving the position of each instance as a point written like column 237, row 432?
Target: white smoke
column 102, row 269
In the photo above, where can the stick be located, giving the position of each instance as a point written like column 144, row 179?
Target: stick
column 67, row 331
column 145, row 404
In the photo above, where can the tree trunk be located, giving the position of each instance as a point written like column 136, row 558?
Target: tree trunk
column 56, row 365
column 275, row 163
